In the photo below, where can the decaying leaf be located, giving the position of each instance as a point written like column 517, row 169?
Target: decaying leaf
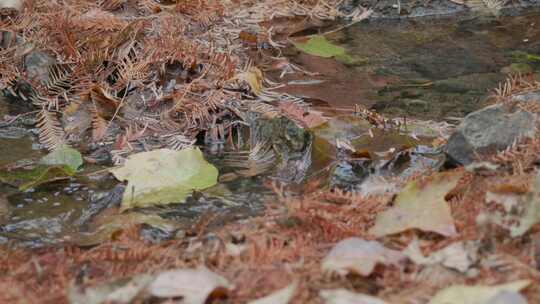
column 164, row 176
column 343, row 296
column 254, row 78
column 459, row 294
column 195, row 286
column 64, row 155
column 459, row 256
column 282, row 296
column 521, row 211
column 420, row 205
column 308, row 118
column 355, row 255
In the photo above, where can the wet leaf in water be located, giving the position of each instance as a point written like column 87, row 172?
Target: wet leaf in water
column 321, row 47
column 420, row 205
column 307, row 118
column 25, row 179
column 64, row 155
column 459, row 294
column 164, row 176
column 343, row 296
column 358, row 256
column 120, row 291
column 282, row 296
column 383, row 144
column 194, row 286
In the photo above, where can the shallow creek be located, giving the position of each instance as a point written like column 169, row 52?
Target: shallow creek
column 429, row 69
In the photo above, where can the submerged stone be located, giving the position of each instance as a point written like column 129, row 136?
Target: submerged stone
column 488, row 130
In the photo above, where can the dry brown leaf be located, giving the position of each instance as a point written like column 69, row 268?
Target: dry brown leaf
column 420, row 205
column 355, row 255
column 193, row 285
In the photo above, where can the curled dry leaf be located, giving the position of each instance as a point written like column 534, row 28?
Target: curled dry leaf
column 420, row 205
column 355, row 255
column 195, row 286
column 459, row 294
column 282, row 296
column 343, row 296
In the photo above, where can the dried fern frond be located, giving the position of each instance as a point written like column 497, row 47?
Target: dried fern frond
column 490, row 7
column 51, row 133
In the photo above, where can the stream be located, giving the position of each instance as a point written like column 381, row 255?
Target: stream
column 430, row 71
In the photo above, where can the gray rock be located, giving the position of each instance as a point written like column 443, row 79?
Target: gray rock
column 533, row 96
column 491, row 129
column 37, row 64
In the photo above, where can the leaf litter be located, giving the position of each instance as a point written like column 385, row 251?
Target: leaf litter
column 289, row 242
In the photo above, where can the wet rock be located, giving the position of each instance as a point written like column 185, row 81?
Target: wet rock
column 37, row 64
column 489, row 130
column 348, row 174
column 100, row 203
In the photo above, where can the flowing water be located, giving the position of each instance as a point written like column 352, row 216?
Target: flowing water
column 436, row 69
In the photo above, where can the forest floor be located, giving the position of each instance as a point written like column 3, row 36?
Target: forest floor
column 200, row 63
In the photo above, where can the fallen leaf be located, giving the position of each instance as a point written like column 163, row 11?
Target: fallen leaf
column 343, row 296
column 282, row 296
column 13, row 5
column 459, row 256
column 25, row 179
column 355, row 255
column 119, row 291
column 522, row 212
column 321, row 47
column 164, row 176
column 63, row 155
column 195, row 286
column 254, row 78
column 420, row 205
column 308, row 118
column 459, row 294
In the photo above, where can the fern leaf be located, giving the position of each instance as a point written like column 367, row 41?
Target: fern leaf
column 51, row 134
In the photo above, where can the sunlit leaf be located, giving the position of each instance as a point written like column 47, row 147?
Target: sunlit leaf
column 420, row 205
column 164, row 176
